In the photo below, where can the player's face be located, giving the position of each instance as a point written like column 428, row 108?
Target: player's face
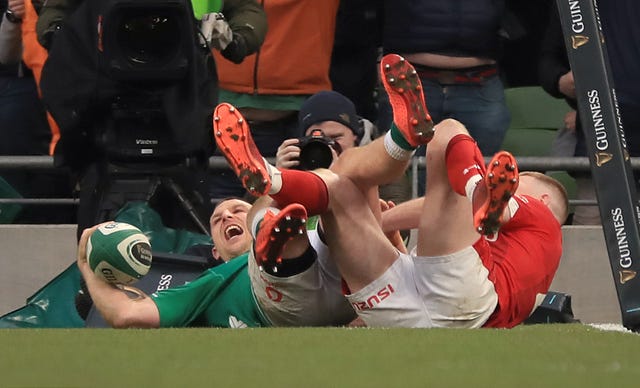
column 340, row 133
column 229, row 229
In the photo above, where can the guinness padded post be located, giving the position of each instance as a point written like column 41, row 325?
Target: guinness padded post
column 607, row 148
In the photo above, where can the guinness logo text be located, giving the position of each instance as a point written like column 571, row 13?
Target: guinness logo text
column 621, row 238
column 577, row 24
column 602, row 143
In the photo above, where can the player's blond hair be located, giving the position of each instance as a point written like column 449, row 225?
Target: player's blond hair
column 559, row 203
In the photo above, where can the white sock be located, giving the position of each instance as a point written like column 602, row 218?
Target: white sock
column 276, row 177
column 394, row 150
column 471, row 185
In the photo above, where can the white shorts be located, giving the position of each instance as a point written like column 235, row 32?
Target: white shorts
column 419, row 291
column 311, row 298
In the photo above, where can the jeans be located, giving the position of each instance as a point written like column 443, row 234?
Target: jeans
column 24, row 129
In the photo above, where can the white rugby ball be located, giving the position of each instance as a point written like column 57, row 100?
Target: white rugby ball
column 119, row 253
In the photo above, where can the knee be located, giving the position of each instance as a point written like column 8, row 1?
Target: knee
column 448, row 128
column 330, row 178
column 341, row 188
column 445, row 131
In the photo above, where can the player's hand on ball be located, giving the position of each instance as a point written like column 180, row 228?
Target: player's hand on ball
column 116, row 252
column 82, row 244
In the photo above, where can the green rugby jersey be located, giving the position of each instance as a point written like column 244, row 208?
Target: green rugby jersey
column 220, row 297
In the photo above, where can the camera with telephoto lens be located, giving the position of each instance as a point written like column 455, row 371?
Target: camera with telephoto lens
column 315, row 150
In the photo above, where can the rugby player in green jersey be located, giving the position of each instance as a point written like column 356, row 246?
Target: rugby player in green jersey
column 238, row 293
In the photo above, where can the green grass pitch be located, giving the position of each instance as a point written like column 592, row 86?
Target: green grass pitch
column 550, row 355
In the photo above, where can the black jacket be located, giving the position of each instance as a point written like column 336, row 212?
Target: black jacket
column 451, row 27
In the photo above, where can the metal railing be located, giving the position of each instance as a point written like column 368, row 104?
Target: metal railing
column 533, row 163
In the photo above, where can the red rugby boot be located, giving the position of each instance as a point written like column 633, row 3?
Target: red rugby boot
column 234, row 140
column 404, row 88
column 275, row 231
column 492, row 195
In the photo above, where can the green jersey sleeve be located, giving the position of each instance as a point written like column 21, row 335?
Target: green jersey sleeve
column 220, row 297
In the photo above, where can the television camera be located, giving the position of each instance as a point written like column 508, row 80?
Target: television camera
column 136, row 120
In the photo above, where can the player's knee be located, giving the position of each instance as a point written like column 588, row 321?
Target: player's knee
column 448, row 128
column 445, row 131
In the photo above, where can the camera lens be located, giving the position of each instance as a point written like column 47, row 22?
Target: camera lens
column 315, row 154
column 149, row 38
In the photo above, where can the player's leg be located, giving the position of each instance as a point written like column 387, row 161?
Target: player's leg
column 385, row 159
column 446, row 223
column 462, row 198
column 279, row 234
column 449, row 274
column 380, row 281
column 292, row 279
column 234, row 140
column 232, row 135
column 364, row 255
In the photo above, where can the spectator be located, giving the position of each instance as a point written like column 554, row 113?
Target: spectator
column 355, row 54
column 523, row 25
column 34, row 57
column 618, row 21
column 24, row 129
column 24, row 126
column 270, row 86
column 454, row 46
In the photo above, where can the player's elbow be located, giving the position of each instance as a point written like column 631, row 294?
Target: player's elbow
column 123, row 319
column 119, row 322
column 131, row 318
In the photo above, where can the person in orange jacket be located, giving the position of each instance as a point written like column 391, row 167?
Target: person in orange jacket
column 270, row 86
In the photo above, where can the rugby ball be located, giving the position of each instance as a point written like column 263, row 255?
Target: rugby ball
column 119, row 253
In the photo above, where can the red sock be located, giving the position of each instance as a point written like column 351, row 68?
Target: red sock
column 305, row 188
column 464, row 160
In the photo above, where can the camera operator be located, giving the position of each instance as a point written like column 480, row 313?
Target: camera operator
column 136, row 123
column 327, row 118
column 239, row 33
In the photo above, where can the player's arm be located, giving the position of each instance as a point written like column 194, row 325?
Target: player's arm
column 120, row 306
column 403, row 216
column 394, row 235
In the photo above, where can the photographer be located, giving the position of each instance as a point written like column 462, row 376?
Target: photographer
column 341, row 128
column 335, row 116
